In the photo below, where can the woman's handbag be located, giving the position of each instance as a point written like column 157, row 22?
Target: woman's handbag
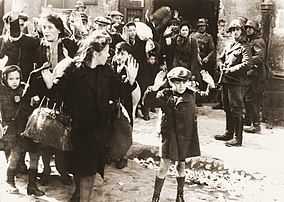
column 121, row 137
column 49, row 127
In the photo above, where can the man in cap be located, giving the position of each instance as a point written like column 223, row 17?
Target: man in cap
column 102, row 23
column 256, row 76
column 117, row 21
column 80, row 6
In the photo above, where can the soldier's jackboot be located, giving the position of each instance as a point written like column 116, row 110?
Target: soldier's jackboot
column 238, row 136
column 228, row 135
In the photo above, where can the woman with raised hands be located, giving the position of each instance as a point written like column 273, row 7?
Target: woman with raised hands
column 90, row 88
column 52, row 48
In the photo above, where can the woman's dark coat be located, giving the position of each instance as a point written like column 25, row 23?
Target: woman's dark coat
column 178, row 123
column 186, row 53
column 88, row 98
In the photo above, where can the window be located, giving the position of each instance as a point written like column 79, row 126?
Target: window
column 132, row 13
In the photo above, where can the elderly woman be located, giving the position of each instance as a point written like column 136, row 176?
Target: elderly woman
column 90, row 88
column 234, row 63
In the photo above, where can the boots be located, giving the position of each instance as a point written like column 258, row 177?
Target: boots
column 228, row 135
column 255, row 128
column 157, row 189
column 32, row 187
column 224, row 137
column 11, row 187
column 238, row 136
column 180, row 181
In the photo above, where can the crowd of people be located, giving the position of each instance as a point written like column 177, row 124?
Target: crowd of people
column 90, row 63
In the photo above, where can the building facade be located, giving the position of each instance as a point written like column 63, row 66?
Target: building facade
column 270, row 14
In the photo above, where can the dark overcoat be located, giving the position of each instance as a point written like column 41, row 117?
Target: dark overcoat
column 178, row 123
column 88, row 97
column 186, row 53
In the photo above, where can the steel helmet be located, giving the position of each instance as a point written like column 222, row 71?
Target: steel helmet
column 202, row 22
column 237, row 23
column 253, row 24
column 242, row 19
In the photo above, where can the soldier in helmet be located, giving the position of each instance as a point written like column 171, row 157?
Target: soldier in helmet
column 234, row 62
column 205, row 44
column 255, row 76
column 206, row 48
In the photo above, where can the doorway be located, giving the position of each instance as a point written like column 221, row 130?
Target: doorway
column 191, row 10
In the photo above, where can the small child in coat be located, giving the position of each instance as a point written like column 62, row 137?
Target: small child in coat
column 178, row 125
column 10, row 97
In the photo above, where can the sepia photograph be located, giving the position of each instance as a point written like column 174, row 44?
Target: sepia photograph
column 141, row 100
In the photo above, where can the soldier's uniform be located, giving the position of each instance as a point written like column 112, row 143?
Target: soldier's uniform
column 206, row 46
column 256, row 76
column 206, row 49
column 235, row 59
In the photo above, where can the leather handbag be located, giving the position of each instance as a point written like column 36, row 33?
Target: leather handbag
column 49, row 127
column 121, row 136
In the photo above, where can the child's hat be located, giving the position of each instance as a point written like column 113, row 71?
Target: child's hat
column 180, row 73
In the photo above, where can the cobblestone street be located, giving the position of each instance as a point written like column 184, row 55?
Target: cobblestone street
column 253, row 172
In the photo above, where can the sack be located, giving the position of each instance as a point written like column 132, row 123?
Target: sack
column 121, row 137
column 49, row 127
column 161, row 14
column 144, row 32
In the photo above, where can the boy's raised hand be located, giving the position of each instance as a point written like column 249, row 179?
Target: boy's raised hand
column 131, row 69
column 160, row 80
